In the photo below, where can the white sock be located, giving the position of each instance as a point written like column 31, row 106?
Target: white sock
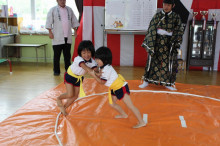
column 170, row 88
column 145, row 84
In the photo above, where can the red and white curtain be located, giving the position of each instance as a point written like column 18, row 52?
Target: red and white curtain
column 91, row 24
column 126, row 49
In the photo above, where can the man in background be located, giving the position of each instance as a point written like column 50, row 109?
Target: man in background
column 60, row 21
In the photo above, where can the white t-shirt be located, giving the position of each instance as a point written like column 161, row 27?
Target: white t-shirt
column 109, row 75
column 77, row 69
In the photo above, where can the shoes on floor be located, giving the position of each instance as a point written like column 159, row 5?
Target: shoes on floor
column 145, row 84
column 56, row 74
column 171, row 88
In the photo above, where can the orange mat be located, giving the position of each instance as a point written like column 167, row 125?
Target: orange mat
column 173, row 118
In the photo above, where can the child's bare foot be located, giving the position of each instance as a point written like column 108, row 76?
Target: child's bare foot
column 139, row 125
column 121, row 116
column 63, row 111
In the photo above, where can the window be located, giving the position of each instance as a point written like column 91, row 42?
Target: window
column 34, row 13
column 3, row 3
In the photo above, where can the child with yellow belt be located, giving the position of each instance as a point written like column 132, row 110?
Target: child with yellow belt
column 73, row 78
column 118, row 87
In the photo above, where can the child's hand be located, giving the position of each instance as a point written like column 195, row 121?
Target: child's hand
column 91, row 72
column 98, row 74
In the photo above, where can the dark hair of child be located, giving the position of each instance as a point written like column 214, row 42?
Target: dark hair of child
column 86, row 45
column 104, row 54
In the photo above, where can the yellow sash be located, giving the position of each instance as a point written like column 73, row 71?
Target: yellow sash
column 117, row 84
column 79, row 78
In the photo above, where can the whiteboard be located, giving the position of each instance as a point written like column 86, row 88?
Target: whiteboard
column 129, row 14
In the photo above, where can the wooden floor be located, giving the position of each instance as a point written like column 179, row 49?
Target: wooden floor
column 31, row 79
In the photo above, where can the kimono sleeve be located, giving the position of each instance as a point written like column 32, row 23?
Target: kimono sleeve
column 177, row 33
column 74, row 21
column 150, row 38
column 49, row 21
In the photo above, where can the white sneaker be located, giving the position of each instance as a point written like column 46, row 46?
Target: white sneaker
column 171, row 88
column 145, row 84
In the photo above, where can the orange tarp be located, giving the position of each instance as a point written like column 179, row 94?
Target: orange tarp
column 91, row 120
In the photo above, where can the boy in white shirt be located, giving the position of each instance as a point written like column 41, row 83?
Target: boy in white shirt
column 118, row 87
column 73, row 78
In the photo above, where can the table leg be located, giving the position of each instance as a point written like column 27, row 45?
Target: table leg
column 36, row 54
column 7, row 52
column 45, row 54
column 17, row 49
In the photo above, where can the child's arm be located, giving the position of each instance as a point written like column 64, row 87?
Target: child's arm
column 97, row 72
column 90, row 71
column 97, row 78
column 85, row 67
column 96, row 69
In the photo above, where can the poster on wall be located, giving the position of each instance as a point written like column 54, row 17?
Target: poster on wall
column 129, row 14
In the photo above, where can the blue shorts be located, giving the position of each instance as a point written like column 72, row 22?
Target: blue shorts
column 71, row 80
column 121, row 92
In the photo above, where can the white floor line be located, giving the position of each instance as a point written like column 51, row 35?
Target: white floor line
column 183, row 122
column 60, row 143
column 153, row 91
column 145, row 116
column 179, row 93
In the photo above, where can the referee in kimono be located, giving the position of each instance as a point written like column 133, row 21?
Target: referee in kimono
column 162, row 40
column 60, row 21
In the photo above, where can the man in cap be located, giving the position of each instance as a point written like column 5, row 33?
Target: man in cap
column 163, row 37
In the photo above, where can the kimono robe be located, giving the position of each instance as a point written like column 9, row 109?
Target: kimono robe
column 161, row 66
